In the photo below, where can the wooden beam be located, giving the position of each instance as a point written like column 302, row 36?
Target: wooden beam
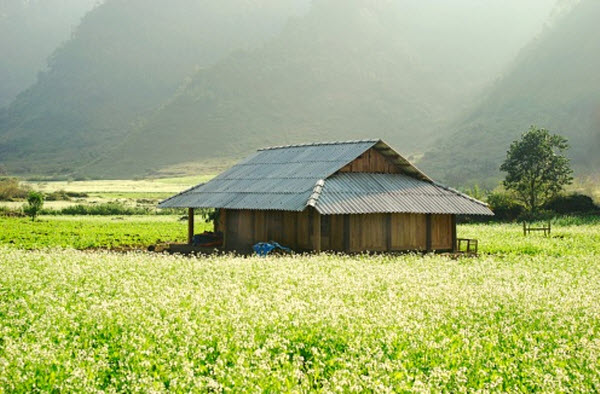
column 317, row 232
column 223, row 226
column 453, row 224
column 190, row 225
column 428, row 232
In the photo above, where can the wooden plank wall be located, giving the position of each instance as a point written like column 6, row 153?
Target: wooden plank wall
column 309, row 231
column 239, row 230
column 409, row 232
column 332, row 233
column 370, row 232
column 243, row 229
column 371, row 162
column 441, row 232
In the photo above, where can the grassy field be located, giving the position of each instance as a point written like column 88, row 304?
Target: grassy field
column 92, row 232
column 524, row 316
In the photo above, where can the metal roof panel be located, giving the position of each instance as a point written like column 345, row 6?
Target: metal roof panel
column 290, row 178
column 392, row 193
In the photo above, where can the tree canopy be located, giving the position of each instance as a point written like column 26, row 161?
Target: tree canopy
column 35, row 202
column 537, row 169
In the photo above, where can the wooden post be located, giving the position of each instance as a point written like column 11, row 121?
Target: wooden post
column 190, row 225
column 223, row 226
column 428, row 233
column 346, row 233
column 453, row 224
column 524, row 229
column 217, row 221
column 317, row 240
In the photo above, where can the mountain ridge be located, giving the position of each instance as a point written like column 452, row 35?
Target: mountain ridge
column 550, row 85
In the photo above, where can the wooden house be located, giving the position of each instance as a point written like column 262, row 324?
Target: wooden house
column 353, row 196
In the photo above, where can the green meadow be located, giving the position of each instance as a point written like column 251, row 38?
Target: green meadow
column 94, row 232
column 524, row 315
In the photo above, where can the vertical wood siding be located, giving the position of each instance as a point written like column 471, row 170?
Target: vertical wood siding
column 409, row 232
column 371, row 162
column 310, row 231
column 441, row 232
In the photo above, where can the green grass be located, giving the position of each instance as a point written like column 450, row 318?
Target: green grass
column 570, row 236
column 524, row 316
column 90, row 232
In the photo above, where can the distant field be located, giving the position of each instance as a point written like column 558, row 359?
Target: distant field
column 523, row 317
column 134, row 188
column 128, row 192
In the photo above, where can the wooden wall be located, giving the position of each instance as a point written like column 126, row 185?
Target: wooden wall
column 409, row 232
column 310, row 231
column 297, row 230
column 385, row 232
column 442, row 232
column 372, row 161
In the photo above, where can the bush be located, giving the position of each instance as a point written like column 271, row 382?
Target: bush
column 77, row 195
column 572, row 203
column 59, row 195
column 505, row 207
column 108, row 209
column 35, row 202
column 11, row 189
column 8, row 212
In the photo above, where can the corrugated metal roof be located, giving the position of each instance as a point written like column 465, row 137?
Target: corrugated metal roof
column 290, row 178
column 392, row 193
column 277, row 178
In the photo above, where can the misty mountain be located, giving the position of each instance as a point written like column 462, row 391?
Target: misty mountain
column 553, row 84
column 30, row 30
column 125, row 58
column 146, row 84
column 347, row 70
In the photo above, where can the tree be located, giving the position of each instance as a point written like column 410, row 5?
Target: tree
column 537, row 169
column 35, row 202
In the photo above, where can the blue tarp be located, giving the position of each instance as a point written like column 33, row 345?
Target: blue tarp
column 264, row 248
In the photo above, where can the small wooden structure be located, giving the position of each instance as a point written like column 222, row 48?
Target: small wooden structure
column 356, row 196
column 527, row 229
column 468, row 246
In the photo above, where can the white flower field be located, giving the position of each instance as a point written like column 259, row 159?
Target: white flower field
column 524, row 316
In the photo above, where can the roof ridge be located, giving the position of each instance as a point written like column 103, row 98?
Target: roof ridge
column 320, row 144
column 317, row 190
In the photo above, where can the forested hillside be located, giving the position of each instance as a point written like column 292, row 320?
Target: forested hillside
column 553, row 84
column 347, row 70
column 124, row 59
column 30, row 30
column 145, row 84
